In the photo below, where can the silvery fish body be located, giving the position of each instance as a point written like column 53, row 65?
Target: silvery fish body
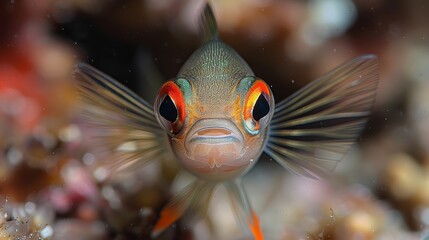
column 218, row 118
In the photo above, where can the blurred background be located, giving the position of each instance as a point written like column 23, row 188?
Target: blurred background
column 51, row 187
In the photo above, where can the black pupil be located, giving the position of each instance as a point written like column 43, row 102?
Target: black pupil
column 261, row 108
column 168, row 110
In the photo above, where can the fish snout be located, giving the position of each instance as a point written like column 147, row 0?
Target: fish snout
column 215, row 142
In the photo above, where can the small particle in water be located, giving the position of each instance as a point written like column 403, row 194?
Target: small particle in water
column 292, row 81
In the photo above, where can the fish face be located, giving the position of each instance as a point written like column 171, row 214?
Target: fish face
column 216, row 113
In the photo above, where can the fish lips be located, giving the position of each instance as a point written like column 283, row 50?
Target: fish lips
column 216, row 142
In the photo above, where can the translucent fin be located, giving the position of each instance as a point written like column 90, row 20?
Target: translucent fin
column 149, row 74
column 245, row 216
column 208, row 24
column 313, row 129
column 122, row 123
column 191, row 201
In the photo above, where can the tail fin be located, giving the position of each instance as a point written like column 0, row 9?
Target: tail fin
column 246, row 217
column 208, row 24
column 193, row 200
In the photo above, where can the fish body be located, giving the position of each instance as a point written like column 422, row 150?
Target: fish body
column 218, row 118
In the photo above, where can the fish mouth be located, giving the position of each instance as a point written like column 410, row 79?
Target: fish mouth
column 216, row 142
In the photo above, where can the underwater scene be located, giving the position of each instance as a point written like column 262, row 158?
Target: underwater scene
column 194, row 119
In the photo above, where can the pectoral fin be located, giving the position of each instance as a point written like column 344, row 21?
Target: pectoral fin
column 313, row 129
column 121, row 122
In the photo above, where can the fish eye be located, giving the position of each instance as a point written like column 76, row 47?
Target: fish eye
column 168, row 110
column 257, row 106
column 261, row 108
column 170, row 107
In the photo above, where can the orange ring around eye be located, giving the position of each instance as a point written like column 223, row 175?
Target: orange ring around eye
column 176, row 95
column 258, row 87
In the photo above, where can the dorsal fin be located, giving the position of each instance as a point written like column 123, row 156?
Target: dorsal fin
column 208, row 24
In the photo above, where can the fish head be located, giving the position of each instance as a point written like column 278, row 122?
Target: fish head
column 216, row 113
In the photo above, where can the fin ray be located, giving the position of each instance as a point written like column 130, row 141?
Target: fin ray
column 244, row 213
column 208, row 24
column 122, row 123
column 313, row 129
column 192, row 201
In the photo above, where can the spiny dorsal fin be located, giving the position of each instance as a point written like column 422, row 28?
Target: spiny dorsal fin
column 208, row 24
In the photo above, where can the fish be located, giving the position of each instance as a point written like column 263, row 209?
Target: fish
column 217, row 118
